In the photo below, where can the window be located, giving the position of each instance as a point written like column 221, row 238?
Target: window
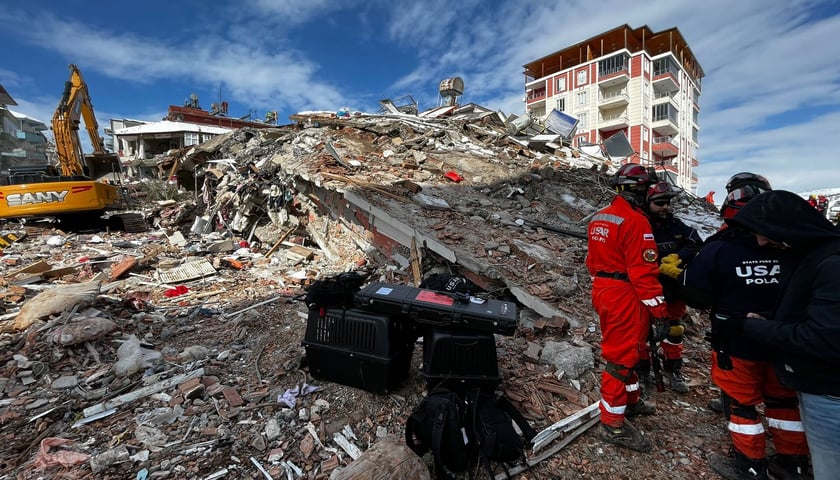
column 581, row 96
column 561, row 84
column 581, row 120
column 206, row 136
column 613, row 64
column 581, row 77
column 645, row 134
column 190, row 138
column 561, row 104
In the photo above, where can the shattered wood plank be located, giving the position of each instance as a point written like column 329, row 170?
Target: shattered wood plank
column 572, row 421
column 531, row 462
column 59, row 272
column 142, row 392
column 37, row 267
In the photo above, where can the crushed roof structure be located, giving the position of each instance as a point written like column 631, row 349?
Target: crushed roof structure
column 507, row 212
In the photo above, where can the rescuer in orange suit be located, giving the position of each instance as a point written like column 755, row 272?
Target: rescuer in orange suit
column 627, row 296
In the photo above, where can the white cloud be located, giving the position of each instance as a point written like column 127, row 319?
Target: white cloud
column 255, row 76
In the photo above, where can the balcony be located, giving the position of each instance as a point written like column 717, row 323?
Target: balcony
column 662, row 96
column 666, row 124
column 695, row 162
column 666, row 81
column 613, row 99
column 666, row 146
column 613, row 76
column 533, row 97
column 613, row 121
column 666, row 74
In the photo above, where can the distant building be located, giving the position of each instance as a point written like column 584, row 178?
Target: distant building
column 645, row 84
column 141, row 146
column 22, row 139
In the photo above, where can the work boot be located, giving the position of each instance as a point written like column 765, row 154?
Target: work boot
column 716, row 405
column 789, row 467
column 738, row 466
column 677, row 381
column 639, row 408
column 626, row 436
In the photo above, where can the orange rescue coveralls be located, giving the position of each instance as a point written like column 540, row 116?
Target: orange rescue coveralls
column 626, row 295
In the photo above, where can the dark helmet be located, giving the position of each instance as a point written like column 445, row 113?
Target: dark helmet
column 659, row 191
column 747, row 178
column 633, row 177
column 737, row 198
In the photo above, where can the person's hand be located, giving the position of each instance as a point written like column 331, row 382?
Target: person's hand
column 670, row 266
column 659, row 329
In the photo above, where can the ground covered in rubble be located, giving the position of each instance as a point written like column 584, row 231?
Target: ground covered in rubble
column 176, row 352
column 250, row 360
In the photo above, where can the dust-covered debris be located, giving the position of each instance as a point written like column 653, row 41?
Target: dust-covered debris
column 176, row 352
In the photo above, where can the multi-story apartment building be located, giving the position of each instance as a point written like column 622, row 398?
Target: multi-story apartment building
column 645, row 84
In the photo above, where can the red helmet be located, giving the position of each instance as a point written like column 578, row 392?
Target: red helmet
column 660, row 190
column 738, row 198
column 634, row 177
column 747, row 178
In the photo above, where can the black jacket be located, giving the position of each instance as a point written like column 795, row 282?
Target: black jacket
column 804, row 331
column 733, row 276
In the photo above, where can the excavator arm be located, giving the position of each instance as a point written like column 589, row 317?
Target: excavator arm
column 75, row 105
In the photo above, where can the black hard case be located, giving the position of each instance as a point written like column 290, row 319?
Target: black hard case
column 434, row 308
column 358, row 348
column 460, row 359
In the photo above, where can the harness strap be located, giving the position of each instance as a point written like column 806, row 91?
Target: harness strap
column 615, row 369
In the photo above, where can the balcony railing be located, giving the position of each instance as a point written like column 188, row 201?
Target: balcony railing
column 615, row 94
column 535, row 95
column 671, row 116
column 665, row 139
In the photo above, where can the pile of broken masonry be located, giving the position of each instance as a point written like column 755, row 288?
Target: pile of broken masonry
column 175, row 353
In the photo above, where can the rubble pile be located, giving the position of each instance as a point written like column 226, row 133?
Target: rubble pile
column 176, row 353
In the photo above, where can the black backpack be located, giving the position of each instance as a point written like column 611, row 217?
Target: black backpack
column 334, row 292
column 493, row 430
column 462, row 431
column 436, row 425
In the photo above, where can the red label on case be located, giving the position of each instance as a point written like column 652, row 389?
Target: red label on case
column 429, row 296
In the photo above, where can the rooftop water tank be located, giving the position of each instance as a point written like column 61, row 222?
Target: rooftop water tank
column 452, row 87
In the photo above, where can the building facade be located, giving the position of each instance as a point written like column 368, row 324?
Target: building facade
column 22, row 139
column 641, row 83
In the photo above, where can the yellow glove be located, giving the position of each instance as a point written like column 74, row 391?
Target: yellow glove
column 670, row 266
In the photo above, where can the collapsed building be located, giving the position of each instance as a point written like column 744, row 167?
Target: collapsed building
column 398, row 195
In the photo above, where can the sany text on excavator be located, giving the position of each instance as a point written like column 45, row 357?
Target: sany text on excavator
column 69, row 191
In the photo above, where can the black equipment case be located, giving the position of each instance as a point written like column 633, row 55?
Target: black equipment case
column 460, row 359
column 358, row 348
column 434, row 308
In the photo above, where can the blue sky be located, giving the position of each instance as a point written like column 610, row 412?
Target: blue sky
column 770, row 100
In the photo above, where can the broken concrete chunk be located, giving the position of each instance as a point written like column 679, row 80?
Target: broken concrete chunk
column 388, row 458
column 107, row 458
column 571, row 359
column 64, row 382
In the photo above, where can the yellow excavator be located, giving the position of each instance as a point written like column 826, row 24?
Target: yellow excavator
column 81, row 188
